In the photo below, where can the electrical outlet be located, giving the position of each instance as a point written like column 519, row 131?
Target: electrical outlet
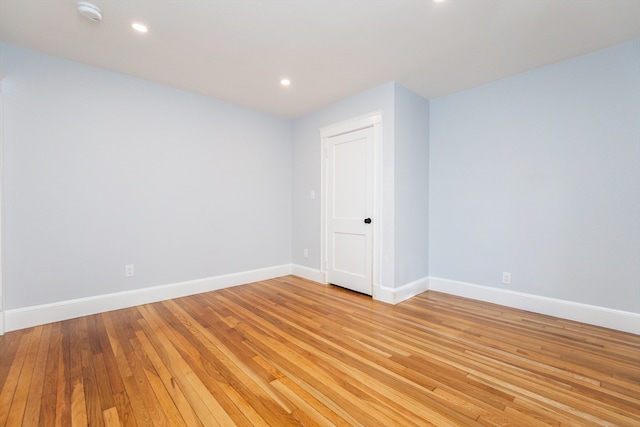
column 305, row 253
column 129, row 270
column 506, row 278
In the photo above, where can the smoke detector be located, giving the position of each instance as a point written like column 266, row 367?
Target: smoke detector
column 89, row 11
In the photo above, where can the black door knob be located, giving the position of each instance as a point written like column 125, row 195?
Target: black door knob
column 367, row 220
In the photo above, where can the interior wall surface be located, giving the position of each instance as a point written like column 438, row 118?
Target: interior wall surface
column 539, row 175
column 102, row 170
column 411, row 186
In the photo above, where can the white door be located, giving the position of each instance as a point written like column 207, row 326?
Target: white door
column 349, row 204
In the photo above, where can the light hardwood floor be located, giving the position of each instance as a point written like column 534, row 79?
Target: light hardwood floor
column 289, row 352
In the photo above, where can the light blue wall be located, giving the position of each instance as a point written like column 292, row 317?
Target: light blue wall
column 539, row 175
column 307, row 173
column 411, row 182
column 103, row 170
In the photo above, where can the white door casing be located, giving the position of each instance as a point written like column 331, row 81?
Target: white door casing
column 350, row 195
column 1, row 186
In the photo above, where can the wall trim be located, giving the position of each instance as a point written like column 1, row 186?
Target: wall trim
column 27, row 317
column 594, row 315
column 2, row 322
column 401, row 293
column 308, row 273
column 380, row 293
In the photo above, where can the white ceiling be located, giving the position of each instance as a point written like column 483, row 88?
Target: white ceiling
column 237, row 51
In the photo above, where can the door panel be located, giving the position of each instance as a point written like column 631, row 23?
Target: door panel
column 349, row 202
column 349, row 177
column 349, row 253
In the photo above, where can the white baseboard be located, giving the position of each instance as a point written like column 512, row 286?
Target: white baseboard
column 308, row 273
column 38, row 315
column 402, row 293
column 593, row 315
column 47, row 313
column 380, row 293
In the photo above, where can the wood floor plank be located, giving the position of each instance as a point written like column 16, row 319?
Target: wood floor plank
column 289, row 352
column 111, row 418
column 78, row 333
column 175, row 394
column 18, row 406
column 8, row 352
column 90, row 351
column 132, row 399
column 34, row 399
column 204, row 404
column 48, row 400
column 117, row 369
column 63, row 383
column 203, row 366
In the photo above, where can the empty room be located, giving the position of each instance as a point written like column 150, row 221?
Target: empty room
column 320, row 213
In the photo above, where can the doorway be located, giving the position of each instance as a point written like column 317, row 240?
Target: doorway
column 351, row 217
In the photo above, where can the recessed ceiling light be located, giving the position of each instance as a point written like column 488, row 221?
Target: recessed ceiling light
column 285, row 82
column 141, row 28
column 439, row 1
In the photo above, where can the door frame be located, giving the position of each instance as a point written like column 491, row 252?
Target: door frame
column 371, row 120
column 2, row 297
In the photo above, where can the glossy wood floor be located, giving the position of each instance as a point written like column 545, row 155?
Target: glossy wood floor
column 288, row 352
